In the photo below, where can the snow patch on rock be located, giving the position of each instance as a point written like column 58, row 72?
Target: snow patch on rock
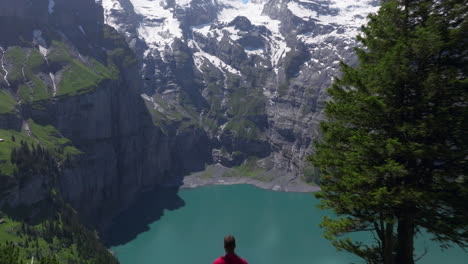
column 39, row 40
column 159, row 26
column 254, row 52
column 52, row 77
column 184, row 3
column 200, row 56
column 253, row 11
column 3, row 66
column 202, row 29
column 110, row 7
column 351, row 13
column 81, row 29
column 300, row 11
column 51, row 6
column 348, row 18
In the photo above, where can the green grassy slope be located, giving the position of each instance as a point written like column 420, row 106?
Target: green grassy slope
column 7, row 101
column 47, row 136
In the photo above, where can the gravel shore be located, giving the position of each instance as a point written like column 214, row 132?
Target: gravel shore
column 269, row 180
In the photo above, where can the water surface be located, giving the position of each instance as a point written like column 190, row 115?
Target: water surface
column 270, row 228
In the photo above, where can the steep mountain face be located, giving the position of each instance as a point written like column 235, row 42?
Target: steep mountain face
column 70, row 84
column 253, row 76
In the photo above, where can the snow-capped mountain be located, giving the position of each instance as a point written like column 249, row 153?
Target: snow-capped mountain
column 252, row 74
column 158, row 23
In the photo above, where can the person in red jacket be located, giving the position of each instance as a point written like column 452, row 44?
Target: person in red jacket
column 230, row 257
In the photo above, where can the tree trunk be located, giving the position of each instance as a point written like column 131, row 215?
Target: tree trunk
column 405, row 244
column 388, row 244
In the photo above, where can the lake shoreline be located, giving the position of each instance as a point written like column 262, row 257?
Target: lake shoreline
column 213, row 175
column 275, row 181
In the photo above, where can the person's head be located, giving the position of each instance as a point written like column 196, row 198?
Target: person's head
column 229, row 243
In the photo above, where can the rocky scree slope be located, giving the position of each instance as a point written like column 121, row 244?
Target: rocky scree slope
column 252, row 76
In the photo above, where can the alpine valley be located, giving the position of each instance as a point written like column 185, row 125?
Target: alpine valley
column 101, row 100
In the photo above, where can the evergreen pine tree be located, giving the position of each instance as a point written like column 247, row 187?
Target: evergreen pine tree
column 393, row 155
column 49, row 260
column 9, row 254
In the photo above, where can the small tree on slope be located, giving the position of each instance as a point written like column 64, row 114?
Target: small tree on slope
column 394, row 153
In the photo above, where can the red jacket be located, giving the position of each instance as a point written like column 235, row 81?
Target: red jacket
column 230, row 259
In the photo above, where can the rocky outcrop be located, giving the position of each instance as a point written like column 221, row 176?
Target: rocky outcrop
column 10, row 121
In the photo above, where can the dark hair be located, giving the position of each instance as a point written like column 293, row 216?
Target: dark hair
column 229, row 242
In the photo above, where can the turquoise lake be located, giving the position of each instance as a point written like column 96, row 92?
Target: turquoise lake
column 270, row 228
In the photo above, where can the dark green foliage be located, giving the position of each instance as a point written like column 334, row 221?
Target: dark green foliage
column 49, row 260
column 68, row 227
column 7, row 102
column 32, row 161
column 393, row 157
column 9, row 254
column 54, row 234
column 311, row 174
